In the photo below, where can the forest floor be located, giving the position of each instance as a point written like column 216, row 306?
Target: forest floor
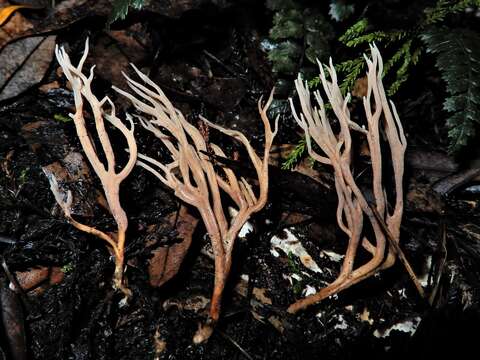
column 210, row 61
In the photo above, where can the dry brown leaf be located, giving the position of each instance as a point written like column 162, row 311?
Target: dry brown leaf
column 114, row 51
column 166, row 260
column 45, row 276
column 62, row 16
column 50, row 86
column 32, row 278
column 361, row 87
column 24, row 64
column 6, row 12
column 16, row 25
column 74, row 173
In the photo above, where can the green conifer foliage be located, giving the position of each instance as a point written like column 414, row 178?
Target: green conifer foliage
column 458, row 60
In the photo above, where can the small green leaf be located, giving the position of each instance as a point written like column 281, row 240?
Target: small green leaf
column 121, row 7
column 22, row 178
column 67, row 268
column 295, row 156
column 352, row 69
column 458, row 60
column 62, row 118
column 354, row 31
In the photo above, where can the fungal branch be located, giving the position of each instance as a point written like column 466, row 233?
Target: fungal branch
column 193, row 178
column 109, row 177
column 383, row 127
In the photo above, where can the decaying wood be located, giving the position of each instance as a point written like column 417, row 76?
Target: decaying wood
column 382, row 120
column 109, row 177
column 195, row 181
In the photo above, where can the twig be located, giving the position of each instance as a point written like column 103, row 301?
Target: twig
column 10, row 276
column 450, row 183
column 13, row 280
column 441, row 265
column 398, row 250
column 219, row 62
column 237, row 345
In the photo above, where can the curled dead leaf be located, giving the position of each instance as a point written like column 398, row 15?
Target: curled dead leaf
column 6, row 12
column 16, row 25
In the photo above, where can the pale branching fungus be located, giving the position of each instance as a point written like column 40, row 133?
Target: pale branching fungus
column 109, row 177
column 386, row 142
column 193, row 178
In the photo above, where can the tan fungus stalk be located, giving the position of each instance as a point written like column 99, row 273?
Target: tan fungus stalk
column 195, row 181
column 109, row 177
column 382, row 123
